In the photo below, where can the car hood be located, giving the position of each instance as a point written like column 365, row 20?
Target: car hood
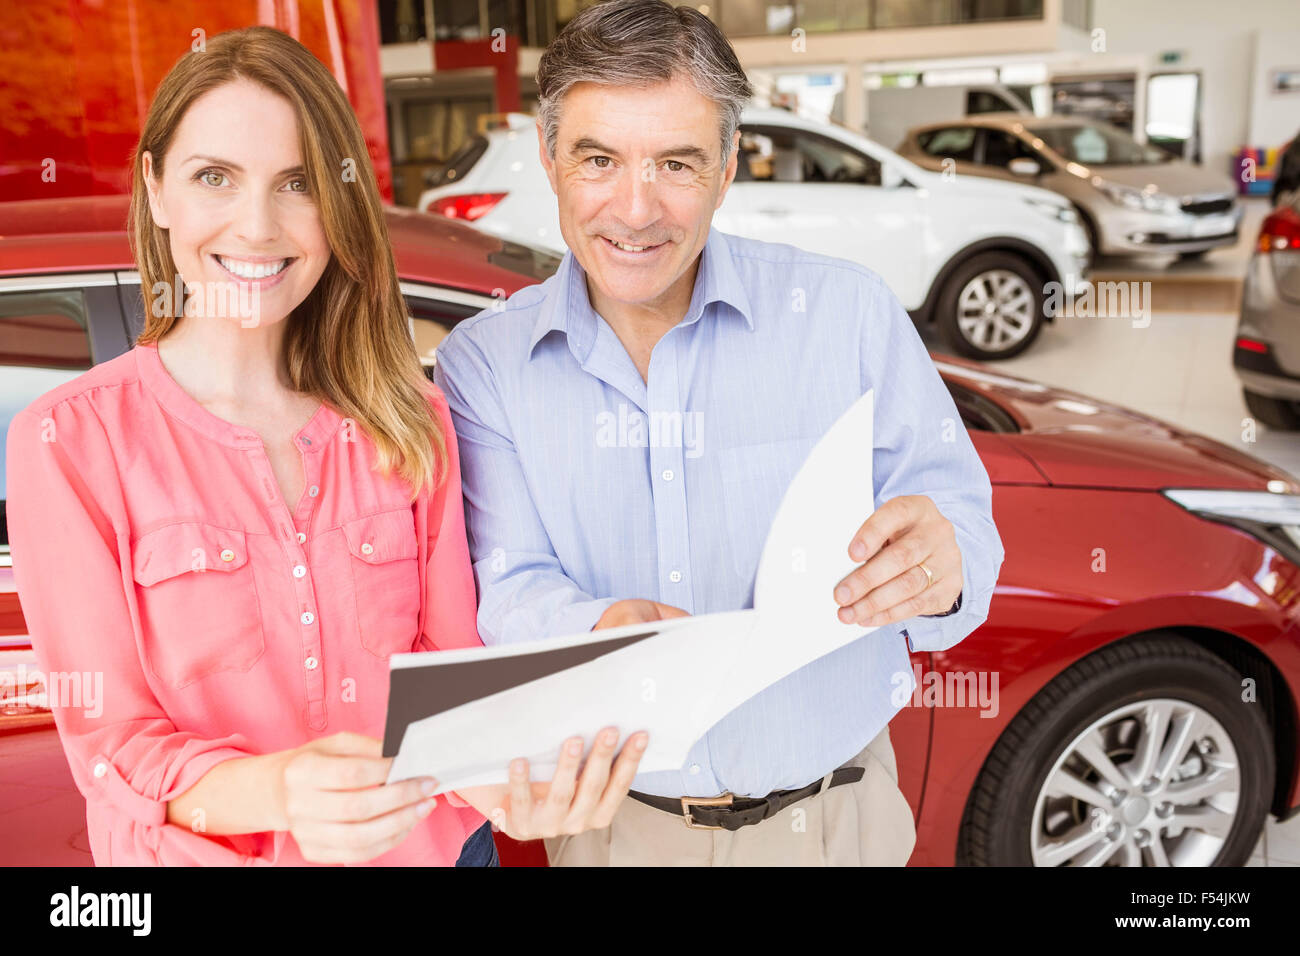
column 983, row 187
column 1174, row 178
column 1074, row 439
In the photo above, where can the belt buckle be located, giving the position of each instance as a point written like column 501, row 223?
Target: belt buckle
column 688, row 802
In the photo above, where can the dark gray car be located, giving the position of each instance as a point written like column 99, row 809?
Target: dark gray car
column 1266, row 351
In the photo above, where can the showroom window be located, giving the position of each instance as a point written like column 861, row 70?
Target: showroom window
column 741, row 18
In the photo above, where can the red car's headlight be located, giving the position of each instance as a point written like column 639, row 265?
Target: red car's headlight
column 1267, row 516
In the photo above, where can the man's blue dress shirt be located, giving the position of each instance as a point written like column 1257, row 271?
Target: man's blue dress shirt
column 585, row 484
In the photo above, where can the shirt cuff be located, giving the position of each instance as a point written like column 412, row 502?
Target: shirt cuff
column 956, row 606
column 579, row 617
column 934, row 632
column 104, row 776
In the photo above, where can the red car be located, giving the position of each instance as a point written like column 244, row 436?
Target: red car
column 1131, row 699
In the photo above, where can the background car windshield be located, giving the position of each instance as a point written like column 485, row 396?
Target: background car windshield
column 954, row 142
column 462, row 162
column 1095, row 145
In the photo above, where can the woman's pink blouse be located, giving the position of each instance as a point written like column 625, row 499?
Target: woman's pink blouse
column 153, row 552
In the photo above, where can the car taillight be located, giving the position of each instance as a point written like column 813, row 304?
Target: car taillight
column 467, row 207
column 1280, row 231
column 1279, row 240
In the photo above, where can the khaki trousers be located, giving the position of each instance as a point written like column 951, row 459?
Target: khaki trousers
column 868, row 823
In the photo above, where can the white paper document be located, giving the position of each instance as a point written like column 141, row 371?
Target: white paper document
column 463, row 715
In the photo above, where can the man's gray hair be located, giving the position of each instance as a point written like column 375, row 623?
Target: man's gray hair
column 641, row 43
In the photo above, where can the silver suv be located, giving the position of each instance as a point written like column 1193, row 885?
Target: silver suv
column 1131, row 198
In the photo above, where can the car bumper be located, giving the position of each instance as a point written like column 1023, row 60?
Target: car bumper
column 1129, row 231
column 1272, row 366
column 1078, row 252
column 1072, row 259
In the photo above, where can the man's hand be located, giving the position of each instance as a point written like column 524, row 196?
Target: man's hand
column 566, row 804
column 890, row 586
column 636, row 611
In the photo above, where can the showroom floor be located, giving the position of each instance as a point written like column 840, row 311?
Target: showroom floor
column 1178, row 368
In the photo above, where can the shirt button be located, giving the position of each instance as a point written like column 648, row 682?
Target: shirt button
column 675, row 576
column 668, row 474
column 695, row 768
column 313, row 491
column 299, row 570
column 301, row 537
column 367, row 548
column 308, row 617
column 100, row 769
column 227, row 555
column 310, row 663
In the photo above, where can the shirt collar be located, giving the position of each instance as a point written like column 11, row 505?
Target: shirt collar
column 181, row 405
column 567, row 308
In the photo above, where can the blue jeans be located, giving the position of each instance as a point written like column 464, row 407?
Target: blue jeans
column 479, row 849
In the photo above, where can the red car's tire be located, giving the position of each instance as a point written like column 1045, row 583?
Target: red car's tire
column 1013, row 818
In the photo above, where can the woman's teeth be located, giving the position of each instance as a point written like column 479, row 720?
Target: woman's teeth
column 252, row 270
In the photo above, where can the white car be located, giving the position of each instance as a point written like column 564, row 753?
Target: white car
column 987, row 260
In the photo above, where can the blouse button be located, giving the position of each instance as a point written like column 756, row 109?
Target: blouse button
column 313, row 491
column 367, row 548
column 227, row 555
column 308, row 617
column 301, row 537
column 100, row 769
column 299, row 570
column 310, row 663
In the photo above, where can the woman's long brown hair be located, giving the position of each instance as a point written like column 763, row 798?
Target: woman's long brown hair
column 349, row 342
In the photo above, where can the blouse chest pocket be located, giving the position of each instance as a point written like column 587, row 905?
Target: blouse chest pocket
column 199, row 607
column 386, row 580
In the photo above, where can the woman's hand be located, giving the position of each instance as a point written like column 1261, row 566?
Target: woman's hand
column 568, row 803
column 338, row 807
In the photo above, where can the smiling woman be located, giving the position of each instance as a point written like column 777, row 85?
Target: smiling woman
column 261, row 502
column 287, row 221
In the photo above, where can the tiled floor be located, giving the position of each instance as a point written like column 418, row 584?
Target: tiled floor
column 1179, row 369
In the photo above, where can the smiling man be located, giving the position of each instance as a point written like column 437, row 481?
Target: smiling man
column 654, row 316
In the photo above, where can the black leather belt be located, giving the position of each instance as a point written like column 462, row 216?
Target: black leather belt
column 729, row 812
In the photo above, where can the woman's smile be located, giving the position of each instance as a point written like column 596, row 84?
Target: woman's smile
column 261, row 272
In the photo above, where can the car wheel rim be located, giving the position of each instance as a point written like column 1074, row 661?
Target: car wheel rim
column 1155, row 783
column 995, row 310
